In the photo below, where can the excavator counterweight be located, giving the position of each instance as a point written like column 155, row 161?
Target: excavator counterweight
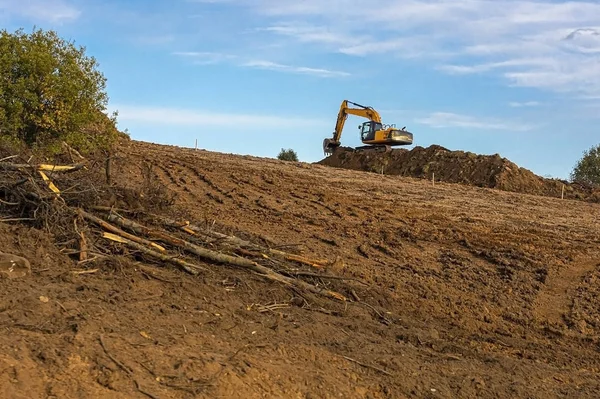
column 374, row 134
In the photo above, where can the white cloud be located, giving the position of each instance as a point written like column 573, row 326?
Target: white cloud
column 545, row 44
column 208, row 58
column 452, row 120
column 311, row 34
column 516, row 104
column 206, row 118
column 523, row 63
column 39, row 10
column 205, row 57
column 272, row 66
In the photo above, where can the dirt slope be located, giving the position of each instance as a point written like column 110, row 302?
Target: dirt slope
column 463, row 167
column 470, row 292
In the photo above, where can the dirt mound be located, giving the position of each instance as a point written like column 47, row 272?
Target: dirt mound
column 491, row 171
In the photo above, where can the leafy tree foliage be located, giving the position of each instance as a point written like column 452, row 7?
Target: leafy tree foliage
column 51, row 91
column 288, row 155
column 587, row 169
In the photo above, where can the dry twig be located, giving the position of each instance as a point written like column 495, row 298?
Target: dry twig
column 114, row 359
column 366, row 365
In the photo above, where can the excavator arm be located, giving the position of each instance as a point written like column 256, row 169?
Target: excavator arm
column 363, row 111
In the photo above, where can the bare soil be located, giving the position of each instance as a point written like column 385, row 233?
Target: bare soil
column 463, row 292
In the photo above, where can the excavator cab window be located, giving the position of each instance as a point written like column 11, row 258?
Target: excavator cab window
column 368, row 130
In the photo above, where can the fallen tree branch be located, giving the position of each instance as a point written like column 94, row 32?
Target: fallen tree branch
column 72, row 151
column 188, row 267
column 366, row 365
column 140, row 229
column 114, row 359
column 235, row 241
column 9, row 157
column 42, row 167
column 101, row 208
column 221, row 258
column 116, row 230
column 17, row 220
column 323, row 276
column 9, row 203
column 49, row 183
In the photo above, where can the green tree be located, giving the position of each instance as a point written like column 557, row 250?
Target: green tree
column 51, row 91
column 587, row 169
column 288, row 155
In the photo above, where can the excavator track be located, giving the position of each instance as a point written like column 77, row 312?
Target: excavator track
column 375, row 148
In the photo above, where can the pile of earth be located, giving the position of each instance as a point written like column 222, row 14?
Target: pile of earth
column 491, row 171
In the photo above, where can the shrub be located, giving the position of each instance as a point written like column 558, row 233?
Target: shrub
column 50, row 91
column 587, row 169
column 288, row 155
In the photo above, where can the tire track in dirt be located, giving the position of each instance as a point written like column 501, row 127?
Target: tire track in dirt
column 260, row 194
column 203, row 178
column 302, row 209
column 172, row 183
column 555, row 301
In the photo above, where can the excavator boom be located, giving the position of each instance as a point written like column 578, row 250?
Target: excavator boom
column 363, row 111
column 374, row 133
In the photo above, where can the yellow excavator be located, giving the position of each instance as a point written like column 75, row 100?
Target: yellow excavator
column 374, row 134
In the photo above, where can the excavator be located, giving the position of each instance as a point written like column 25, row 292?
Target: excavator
column 375, row 135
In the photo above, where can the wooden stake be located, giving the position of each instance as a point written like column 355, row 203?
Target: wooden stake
column 433, row 179
column 562, row 195
column 196, row 143
column 108, row 170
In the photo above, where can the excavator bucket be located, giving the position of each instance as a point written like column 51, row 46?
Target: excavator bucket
column 329, row 146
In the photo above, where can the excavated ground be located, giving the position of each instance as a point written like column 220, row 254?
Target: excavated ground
column 472, row 292
column 441, row 164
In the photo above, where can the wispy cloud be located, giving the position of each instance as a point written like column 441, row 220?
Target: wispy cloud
column 311, row 34
column 272, row 66
column 205, row 57
column 39, row 10
column 452, row 120
column 516, row 104
column 522, row 63
column 208, row 58
column 545, row 44
column 198, row 117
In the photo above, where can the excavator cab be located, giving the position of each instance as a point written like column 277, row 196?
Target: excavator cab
column 368, row 129
column 377, row 134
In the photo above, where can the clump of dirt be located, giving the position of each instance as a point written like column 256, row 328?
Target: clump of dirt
column 491, row 171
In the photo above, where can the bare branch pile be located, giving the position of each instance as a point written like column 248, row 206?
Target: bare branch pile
column 70, row 202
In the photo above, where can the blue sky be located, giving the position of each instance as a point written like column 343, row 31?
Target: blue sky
column 518, row 78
